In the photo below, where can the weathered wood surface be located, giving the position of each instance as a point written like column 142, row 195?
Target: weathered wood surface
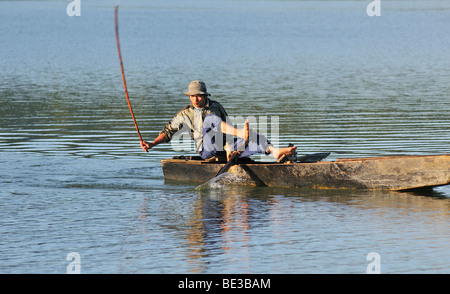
column 373, row 173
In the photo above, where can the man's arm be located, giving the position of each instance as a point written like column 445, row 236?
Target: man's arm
column 162, row 138
column 168, row 131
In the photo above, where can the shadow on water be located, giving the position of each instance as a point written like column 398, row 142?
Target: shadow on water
column 428, row 192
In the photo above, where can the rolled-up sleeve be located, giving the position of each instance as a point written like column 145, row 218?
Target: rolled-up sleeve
column 176, row 124
column 169, row 131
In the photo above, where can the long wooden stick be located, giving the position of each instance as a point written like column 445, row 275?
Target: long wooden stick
column 123, row 72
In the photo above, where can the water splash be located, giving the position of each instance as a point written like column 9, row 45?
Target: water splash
column 223, row 181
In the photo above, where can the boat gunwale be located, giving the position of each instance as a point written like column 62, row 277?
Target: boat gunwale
column 338, row 160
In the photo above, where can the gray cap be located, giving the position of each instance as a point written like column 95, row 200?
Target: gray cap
column 197, row 88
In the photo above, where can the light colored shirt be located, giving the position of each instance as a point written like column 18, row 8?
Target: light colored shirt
column 191, row 118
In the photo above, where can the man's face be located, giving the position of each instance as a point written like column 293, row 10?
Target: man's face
column 198, row 100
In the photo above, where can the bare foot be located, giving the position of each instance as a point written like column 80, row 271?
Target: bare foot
column 246, row 130
column 229, row 149
column 278, row 152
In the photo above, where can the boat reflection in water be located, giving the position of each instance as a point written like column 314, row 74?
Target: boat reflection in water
column 227, row 226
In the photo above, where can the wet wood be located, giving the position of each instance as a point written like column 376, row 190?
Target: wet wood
column 372, row 173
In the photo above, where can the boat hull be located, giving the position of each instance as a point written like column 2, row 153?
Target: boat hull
column 371, row 173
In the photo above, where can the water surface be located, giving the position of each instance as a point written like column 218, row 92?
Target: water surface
column 73, row 178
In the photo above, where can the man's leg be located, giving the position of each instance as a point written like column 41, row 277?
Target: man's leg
column 212, row 137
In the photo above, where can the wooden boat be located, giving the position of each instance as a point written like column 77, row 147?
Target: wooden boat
column 373, row 173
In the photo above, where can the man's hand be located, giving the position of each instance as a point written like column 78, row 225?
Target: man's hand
column 146, row 146
column 162, row 138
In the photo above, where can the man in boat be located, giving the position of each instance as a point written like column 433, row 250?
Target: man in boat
column 206, row 120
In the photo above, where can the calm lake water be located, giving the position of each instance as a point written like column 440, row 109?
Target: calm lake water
column 74, row 179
